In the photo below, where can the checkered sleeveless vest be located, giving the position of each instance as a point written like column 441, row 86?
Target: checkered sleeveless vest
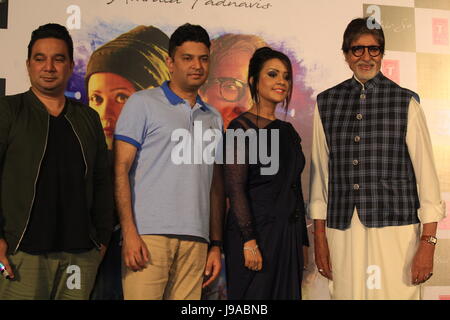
column 369, row 164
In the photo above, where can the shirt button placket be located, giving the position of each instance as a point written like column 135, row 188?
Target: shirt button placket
column 363, row 94
column 359, row 117
column 357, row 138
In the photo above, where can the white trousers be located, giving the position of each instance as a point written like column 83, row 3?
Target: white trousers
column 373, row 263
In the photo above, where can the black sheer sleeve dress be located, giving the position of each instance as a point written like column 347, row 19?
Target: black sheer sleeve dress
column 264, row 205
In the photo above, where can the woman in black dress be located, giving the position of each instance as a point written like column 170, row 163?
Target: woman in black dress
column 265, row 229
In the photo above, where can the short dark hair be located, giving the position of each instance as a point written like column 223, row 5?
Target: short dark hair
column 358, row 27
column 257, row 61
column 188, row 32
column 51, row 30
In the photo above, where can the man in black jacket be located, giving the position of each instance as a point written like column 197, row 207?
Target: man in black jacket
column 56, row 192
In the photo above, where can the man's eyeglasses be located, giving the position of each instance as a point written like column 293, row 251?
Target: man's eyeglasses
column 231, row 89
column 374, row 51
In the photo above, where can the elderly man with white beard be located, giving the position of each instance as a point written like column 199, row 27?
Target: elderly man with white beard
column 375, row 196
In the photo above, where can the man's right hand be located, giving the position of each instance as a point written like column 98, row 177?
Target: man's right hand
column 3, row 259
column 322, row 255
column 134, row 252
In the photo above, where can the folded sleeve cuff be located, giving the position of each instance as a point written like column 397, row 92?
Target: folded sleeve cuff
column 317, row 210
column 429, row 213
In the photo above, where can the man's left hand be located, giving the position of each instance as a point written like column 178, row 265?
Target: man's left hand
column 422, row 266
column 213, row 265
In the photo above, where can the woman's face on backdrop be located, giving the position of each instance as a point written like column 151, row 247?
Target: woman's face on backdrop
column 107, row 94
column 274, row 81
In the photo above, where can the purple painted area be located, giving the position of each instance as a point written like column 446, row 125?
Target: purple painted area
column 84, row 45
column 302, row 102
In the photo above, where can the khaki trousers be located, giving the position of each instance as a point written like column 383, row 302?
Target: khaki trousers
column 52, row 276
column 174, row 271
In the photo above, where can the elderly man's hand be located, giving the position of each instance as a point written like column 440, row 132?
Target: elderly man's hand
column 322, row 255
column 422, row 266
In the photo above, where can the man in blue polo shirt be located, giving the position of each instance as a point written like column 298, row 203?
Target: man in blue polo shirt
column 169, row 211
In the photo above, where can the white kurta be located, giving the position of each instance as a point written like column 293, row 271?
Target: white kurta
column 375, row 263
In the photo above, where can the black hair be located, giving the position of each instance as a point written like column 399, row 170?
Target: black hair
column 257, row 61
column 188, row 32
column 360, row 26
column 51, row 30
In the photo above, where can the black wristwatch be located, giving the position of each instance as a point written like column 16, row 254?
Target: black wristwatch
column 216, row 243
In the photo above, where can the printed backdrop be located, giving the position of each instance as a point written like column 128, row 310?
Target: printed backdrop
column 310, row 32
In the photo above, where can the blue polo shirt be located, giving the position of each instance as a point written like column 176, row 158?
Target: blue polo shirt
column 168, row 197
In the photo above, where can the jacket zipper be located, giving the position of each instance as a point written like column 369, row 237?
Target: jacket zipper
column 35, row 182
column 86, row 168
column 81, row 146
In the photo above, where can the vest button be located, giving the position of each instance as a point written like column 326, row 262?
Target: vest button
column 356, row 187
column 357, row 139
column 355, row 162
column 362, row 96
column 359, row 116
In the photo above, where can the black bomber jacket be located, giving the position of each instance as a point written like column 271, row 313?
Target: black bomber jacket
column 24, row 123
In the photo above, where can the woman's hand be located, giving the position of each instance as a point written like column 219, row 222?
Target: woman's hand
column 252, row 256
column 305, row 257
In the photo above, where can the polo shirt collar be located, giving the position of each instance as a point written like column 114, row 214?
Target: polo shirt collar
column 174, row 99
